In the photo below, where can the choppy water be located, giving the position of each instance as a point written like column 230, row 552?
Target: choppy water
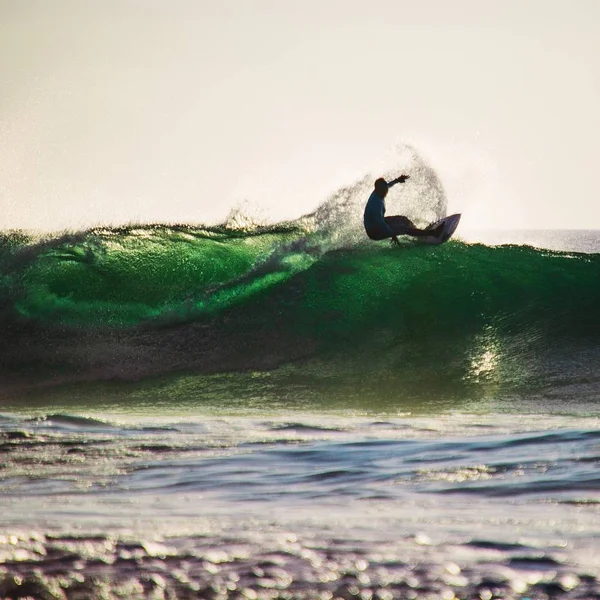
column 291, row 412
column 319, row 506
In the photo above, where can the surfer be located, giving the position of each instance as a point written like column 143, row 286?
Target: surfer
column 380, row 227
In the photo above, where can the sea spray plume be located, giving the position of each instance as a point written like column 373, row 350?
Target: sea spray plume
column 245, row 216
column 422, row 198
column 338, row 220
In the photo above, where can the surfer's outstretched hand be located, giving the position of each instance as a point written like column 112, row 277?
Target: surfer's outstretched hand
column 395, row 241
column 400, row 179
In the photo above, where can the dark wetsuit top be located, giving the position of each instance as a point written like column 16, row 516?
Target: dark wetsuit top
column 374, row 221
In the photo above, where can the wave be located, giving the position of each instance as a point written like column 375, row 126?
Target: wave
column 123, row 276
column 140, row 300
column 311, row 297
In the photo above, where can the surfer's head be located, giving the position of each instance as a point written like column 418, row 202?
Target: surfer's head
column 381, row 187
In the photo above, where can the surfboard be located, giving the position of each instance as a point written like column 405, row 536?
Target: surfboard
column 449, row 225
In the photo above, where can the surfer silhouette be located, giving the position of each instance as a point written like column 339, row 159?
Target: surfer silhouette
column 380, row 227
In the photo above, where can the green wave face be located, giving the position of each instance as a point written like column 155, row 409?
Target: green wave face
column 468, row 312
column 132, row 302
column 122, row 277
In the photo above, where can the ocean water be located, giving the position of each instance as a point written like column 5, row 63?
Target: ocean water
column 289, row 411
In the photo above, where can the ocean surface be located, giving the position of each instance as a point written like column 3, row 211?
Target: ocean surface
column 291, row 412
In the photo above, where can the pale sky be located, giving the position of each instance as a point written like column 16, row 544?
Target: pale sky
column 177, row 110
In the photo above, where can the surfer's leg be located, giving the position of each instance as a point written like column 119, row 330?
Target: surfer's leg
column 399, row 221
column 401, row 225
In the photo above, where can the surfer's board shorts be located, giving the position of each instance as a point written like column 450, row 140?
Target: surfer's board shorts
column 398, row 225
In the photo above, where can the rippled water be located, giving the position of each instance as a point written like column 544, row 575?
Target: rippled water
column 472, row 505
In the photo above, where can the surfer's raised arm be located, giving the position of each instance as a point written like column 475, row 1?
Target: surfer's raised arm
column 400, row 179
